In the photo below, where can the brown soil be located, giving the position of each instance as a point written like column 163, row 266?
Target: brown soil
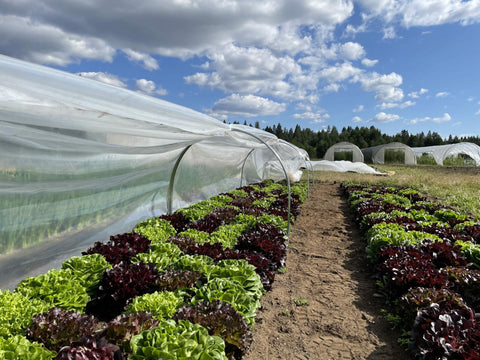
column 337, row 315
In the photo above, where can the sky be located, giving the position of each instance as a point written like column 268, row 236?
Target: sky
column 393, row 64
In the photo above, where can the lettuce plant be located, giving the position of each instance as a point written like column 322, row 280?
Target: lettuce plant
column 91, row 349
column 172, row 340
column 162, row 255
column 446, row 334
column 231, row 292
column 172, row 280
column 120, row 284
column 220, row 319
column 19, row 347
column 17, row 311
column 121, row 247
column 121, row 329
column 57, row 328
column 157, row 230
column 161, row 304
column 58, row 287
column 88, row 269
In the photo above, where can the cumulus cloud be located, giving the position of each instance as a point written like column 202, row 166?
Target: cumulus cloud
column 417, row 94
column 369, row 63
column 357, row 119
column 386, row 86
column 253, row 70
column 445, row 118
column 382, row 117
column 237, row 105
column 339, row 72
column 104, row 78
column 403, row 105
column 149, row 87
column 442, row 94
column 316, row 117
column 424, row 13
column 149, row 62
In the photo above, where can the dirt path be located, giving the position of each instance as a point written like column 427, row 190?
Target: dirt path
column 326, row 269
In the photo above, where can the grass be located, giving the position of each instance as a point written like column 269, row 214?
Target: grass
column 455, row 186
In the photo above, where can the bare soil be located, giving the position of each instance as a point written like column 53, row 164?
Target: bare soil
column 324, row 307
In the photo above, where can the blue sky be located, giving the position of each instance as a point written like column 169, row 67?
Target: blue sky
column 393, row 64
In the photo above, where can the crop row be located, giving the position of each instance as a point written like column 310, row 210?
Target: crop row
column 426, row 258
column 179, row 286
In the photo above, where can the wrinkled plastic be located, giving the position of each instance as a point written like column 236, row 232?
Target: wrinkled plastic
column 82, row 160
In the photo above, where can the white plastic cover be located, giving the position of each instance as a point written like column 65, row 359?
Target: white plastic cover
column 344, row 146
column 376, row 154
column 441, row 152
column 344, row 166
column 82, row 160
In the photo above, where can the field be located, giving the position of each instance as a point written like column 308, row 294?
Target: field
column 323, row 306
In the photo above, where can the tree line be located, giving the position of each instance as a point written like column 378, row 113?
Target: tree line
column 316, row 143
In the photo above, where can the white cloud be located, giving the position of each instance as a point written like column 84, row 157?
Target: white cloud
column 385, row 86
column 339, row 72
column 255, row 71
column 424, row 13
column 357, row 119
column 382, row 117
column 149, row 62
column 478, row 112
column 390, row 105
column 334, row 87
column 359, row 108
column 168, row 27
column 104, row 78
column 417, row 94
column 48, row 44
column 389, row 33
column 442, row 94
column 445, row 118
column 369, row 63
column 149, row 87
column 317, row 117
column 237, row 105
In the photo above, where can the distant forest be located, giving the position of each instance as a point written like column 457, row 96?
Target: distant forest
column 316, row 143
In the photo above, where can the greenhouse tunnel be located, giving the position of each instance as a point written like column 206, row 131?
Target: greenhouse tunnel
column 393, row 153
column 469, row 152
column 82, row 160
column 344, row 151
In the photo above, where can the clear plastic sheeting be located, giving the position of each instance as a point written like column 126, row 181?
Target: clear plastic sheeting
column 441, row 152
column 344, row 166
column 394, row 152
column 344, row 148
column 82, row 160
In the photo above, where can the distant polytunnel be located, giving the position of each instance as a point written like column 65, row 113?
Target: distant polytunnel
column 469, row 152
column 344, row 151
column 392, row 153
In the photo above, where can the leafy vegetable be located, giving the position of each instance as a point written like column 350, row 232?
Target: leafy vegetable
column 182, row 340
column 58, row 288
column 120, row 284
column 59, row 327
column 88, row 269
column 172, row 280
column 120, row 330
column 220, row 319
column 231, row 292
column 162, row 255
column 91, row 349
column 157, row 230
column 162, row 305
column 121, row 247
column 16, row 312
column 18, row 347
